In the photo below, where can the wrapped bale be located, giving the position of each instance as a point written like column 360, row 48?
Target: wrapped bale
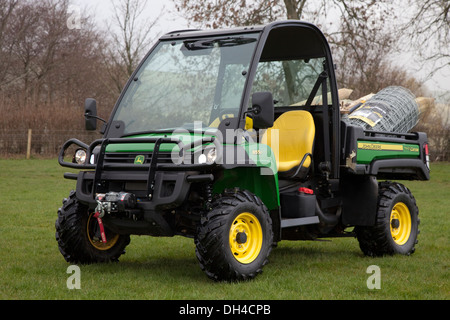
column 393, row 109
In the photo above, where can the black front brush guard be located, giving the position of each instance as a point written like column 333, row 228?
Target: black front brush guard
column 152, row 167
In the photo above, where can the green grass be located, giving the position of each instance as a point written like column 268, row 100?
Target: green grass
column 31, row 266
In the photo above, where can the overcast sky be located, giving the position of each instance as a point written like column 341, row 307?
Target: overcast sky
column 102, row 10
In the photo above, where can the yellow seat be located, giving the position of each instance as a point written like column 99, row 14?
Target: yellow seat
column 291, row 139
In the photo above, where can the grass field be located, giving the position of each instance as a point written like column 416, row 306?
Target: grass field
column 31, row 266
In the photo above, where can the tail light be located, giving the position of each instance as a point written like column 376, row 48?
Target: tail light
column 427, row 155
column 306, row 190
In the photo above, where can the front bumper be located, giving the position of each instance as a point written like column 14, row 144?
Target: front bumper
column 159, row 187
column 145, row 178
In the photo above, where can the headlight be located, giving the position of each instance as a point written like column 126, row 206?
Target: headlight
column 201, row 159
column 80, row 156
column 209, row 156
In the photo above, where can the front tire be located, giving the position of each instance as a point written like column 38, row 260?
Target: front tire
column 234, row 240
column 397, row 223
column 77, row 234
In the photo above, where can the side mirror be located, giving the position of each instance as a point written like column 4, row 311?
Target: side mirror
column 263, row 110
column 90, row 114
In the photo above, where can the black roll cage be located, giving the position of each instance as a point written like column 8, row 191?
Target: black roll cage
column 301, row 40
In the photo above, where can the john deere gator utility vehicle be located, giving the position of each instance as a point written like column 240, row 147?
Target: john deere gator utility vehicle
column 234, row 138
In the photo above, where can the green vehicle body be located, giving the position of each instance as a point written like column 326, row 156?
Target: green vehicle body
column 369, row 151
column 178, row 190
column 243, row 178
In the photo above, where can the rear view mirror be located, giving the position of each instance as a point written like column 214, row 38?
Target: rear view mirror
column 90, row 114
column 263, row 110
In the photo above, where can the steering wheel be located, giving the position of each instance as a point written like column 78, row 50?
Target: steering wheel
column 223, row 114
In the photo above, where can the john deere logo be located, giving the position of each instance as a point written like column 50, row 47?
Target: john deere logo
column 139, row 160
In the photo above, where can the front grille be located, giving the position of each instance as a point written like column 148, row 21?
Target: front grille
column 129, row 158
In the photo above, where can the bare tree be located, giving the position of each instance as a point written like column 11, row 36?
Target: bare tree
column 428, row 31
column 362, row 44
column 131, row 40
column 47, row 70
column 224, row 13
column 6, row 41
column 359, row 33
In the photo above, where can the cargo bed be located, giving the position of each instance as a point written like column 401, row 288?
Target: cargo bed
column 387, row 155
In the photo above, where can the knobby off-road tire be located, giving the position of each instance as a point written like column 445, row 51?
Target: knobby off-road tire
column 397, row 223
column 235, row 239
column 77, row 234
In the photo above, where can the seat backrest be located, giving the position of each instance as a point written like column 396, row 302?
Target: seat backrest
column 291, row 137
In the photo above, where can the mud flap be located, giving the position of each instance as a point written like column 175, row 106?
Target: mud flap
column 360, row 197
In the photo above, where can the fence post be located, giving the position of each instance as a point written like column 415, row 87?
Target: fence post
column 29, row 144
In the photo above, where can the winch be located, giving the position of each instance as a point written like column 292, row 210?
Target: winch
column 113, row 202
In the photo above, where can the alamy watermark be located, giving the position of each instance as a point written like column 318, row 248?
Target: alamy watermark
column 221, row 154
column 74, row 280
column 74, row 17
column 374, row 280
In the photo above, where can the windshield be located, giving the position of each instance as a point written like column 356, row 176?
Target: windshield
column 187, row 83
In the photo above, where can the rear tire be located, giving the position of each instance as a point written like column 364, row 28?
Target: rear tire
column 235, row 239
column 397, row 223
column 78, row 236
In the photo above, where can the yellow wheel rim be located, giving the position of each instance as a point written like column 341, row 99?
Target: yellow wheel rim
column 245, row 238
column 94, row 237
column 400, row 223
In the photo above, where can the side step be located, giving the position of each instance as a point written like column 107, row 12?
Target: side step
column 286, row 223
